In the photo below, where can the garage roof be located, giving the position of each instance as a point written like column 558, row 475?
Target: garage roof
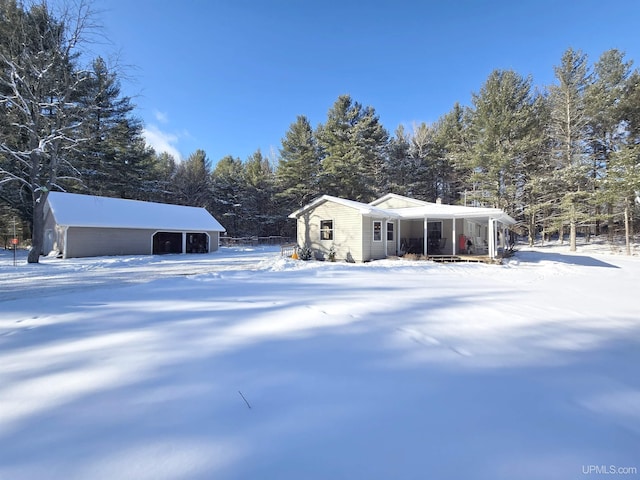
column 75, row 210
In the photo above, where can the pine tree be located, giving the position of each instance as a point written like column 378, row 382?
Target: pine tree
column 298, row 170
column 605, row 127
column 451, row 134
column 399, row 165
column 504, row 136
column 537, row 174
column 192, row 183
column 261, row 218
column 353, row 147
column 623, row 181
column 229, row 194
column 112, row 157
column 424, row 155
column 371, row 142
column 568, row 124
column 159, row 179
column 624, row 170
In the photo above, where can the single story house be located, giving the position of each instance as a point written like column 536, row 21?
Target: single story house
column 394, row 225
column 89, row 226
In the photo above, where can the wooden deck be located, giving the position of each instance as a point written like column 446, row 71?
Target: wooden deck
column 464, row 258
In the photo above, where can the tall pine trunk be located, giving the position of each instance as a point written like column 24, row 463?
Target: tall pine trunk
column 572, row 228
column 627, row 230
column 532, row 229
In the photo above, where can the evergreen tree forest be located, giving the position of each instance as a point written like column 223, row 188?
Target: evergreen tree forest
column 563, row 159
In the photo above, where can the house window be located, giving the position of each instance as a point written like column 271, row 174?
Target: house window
column 377, row 231
column 390, row 232
column 326, row 229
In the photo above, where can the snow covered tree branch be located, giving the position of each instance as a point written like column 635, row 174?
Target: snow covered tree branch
column 40, row 83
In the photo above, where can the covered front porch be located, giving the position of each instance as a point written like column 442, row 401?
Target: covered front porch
column 450, row 238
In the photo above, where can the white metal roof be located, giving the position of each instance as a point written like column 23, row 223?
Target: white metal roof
column 363, row 208
column 426, row 210
column 395, row 196
column 436, row 210
column 75, row 210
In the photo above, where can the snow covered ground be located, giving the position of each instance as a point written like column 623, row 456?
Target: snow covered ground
column 244, row 365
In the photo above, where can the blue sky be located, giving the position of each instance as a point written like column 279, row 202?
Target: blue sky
column 230, row 77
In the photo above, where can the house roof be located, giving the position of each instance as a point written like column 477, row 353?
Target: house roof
column 395, row 196
column 363, row 208
column 74, row 210
column 424, row 210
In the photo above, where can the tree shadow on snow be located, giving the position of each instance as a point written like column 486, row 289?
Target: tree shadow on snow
column 580, row 260
column 349, row 387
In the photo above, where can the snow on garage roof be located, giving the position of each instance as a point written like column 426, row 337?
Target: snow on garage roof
column 74, row 210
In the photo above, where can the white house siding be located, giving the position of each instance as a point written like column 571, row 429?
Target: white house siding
column 372, row 250
column 347, row 231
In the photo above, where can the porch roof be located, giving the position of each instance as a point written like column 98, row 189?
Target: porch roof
column 438, row 211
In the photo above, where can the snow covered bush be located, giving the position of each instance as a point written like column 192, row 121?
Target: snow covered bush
column 304, row 253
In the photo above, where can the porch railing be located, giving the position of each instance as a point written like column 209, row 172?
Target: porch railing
column 288, row 250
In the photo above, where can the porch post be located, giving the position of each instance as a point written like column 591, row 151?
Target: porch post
column 384, row 238
column 398, row 243
column 454, row 238
column 503, row 237
column 184, row 242
column 492, row 238
column 424, row 237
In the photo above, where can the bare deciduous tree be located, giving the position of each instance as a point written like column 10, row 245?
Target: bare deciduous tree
column 39, row 80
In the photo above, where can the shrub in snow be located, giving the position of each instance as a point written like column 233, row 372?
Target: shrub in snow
column 304, row 253
column 413, row 256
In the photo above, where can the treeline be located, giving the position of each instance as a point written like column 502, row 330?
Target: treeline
column 561, row 159
column 558, row 157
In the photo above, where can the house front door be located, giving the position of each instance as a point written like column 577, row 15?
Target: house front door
column 434, row 235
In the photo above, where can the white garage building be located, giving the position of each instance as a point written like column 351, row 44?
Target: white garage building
column 89, row 226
